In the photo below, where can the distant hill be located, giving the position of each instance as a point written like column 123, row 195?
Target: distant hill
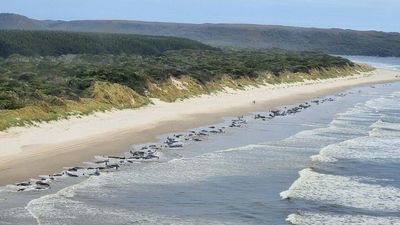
column 55, row 43
column 14, row 21
column 333, row 41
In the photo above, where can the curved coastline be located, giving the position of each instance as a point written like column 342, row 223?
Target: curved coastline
column 71, row 142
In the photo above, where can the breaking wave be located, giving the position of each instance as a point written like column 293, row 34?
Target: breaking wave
column 308, row 218
column 344, row 191
column 376, row 129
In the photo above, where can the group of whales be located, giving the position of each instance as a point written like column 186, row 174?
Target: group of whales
column 152, row 151
column 109, row 163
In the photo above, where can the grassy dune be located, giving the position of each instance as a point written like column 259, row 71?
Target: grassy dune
column 106, row 96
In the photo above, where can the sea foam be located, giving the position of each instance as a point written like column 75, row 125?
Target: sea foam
column 344, row 191
column 309, row 218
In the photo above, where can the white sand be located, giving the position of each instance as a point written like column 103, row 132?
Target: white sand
column 19, row 142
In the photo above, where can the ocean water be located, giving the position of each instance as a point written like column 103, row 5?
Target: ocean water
column 377, row 62
column 333, row 163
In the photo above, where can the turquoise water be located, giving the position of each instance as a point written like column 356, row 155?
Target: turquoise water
column 333, row 163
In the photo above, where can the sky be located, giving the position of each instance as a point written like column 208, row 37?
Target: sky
column 380, row 15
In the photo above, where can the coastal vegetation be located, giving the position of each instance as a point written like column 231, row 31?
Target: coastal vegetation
column 39, row 86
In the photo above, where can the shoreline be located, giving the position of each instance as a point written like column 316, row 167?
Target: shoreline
column 27, row 152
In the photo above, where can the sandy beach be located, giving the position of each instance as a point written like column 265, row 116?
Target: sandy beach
column 26, row 152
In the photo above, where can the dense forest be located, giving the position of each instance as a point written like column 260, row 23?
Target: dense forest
column 49, row 43
column 332, row 41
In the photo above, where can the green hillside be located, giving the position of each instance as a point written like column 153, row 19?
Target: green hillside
column 55, row 43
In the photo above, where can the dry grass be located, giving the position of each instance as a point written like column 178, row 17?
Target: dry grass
column 105, row 96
